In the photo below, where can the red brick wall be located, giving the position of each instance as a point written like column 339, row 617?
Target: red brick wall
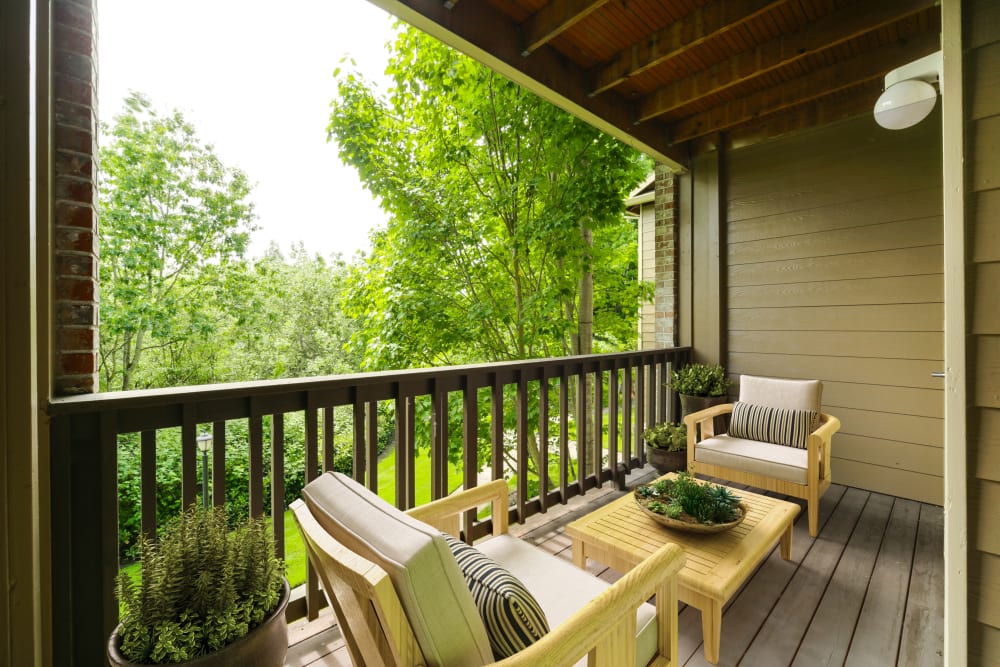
column 74, row 101
column 665, row 234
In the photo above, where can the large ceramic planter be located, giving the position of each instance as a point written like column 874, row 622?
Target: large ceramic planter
column 265, row 645
column 691, row 404
column 664, row 461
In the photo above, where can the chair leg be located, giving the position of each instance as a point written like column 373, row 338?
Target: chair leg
column 813, row 510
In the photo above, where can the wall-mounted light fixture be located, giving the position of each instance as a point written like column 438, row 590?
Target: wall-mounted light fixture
column 909, row 93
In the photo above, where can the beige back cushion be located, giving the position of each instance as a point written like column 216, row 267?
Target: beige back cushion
column 779, row 393
column 417, row 559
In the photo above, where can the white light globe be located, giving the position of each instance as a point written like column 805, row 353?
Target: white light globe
column 905, row 104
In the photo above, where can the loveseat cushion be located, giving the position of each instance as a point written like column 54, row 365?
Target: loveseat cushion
column 778, row 426
column 762, row 458
column 513, row 618
column 419, row 563
column 562, row 589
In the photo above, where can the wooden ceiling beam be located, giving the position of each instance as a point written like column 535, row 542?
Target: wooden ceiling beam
column 696, row 28
column 868, row 66
column 841, row 26
column 483, row 32
column 553, row 19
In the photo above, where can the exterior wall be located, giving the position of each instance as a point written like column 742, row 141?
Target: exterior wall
column 981, row 68
column 833, row 270
column 658, row 263
column 74, row 105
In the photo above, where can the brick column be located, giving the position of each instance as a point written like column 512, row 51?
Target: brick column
column 665, row 258
column 74, row 238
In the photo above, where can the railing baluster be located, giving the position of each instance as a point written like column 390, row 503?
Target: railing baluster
column 358, row 461
column 581, row 430
column 496, row 427
column 219, row 463
column 599, row 425
column 256, row 464
column 371, row 435
column 627, row 415
column 543, row 443
column 278, row 482
column 522, row 445
column 148, row 484
column 189, row 466
column 640, row 405
column 613, row 424
column 403, row 460
column 470, row 448
column 411, row 430
column 313, row 601
column 661, row 390
column 329, row 445
column 439, row 442
column 563, row 436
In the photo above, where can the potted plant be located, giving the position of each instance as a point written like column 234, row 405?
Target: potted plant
column 666, row 447
column 208, row 595
column 701, row 386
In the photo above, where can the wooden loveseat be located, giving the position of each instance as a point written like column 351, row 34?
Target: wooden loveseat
column 401, row 600
column 801, row 471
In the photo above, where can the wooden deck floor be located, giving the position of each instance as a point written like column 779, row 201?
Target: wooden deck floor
column 869, row 590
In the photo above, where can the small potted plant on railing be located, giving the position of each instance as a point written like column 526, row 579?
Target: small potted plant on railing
column 666, row 447
column 208, row 595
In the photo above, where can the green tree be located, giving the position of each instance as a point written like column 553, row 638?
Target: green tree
column 494, row 197
column 506, row 218
column 173, row 219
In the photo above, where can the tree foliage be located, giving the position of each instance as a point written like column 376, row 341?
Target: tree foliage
column 173, row 218
column 493, row 195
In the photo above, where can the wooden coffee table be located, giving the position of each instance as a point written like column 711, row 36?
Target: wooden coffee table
column 620, row 536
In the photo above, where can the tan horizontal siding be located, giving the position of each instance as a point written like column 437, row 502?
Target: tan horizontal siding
column 981, row 68
column 899, row 262
column 881, row 317
column 861, row 212
column 835, row 272
column 879, row 344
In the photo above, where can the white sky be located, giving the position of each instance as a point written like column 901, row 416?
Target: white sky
column 256, row 79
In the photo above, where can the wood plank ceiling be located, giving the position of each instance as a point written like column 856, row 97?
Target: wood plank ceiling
column 675, row 78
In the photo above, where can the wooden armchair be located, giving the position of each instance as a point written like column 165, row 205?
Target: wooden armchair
column 798, row 472
column 384, row 626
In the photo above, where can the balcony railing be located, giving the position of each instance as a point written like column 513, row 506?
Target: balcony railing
column 604, row 400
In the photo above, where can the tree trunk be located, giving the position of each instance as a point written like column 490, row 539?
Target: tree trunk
column 585, row 338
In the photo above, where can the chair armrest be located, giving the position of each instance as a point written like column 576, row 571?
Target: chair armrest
column 443, row 513
column 827, row 427
column 611, row 616
column 704, row 418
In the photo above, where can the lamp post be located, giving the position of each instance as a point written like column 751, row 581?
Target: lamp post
column 203, row 440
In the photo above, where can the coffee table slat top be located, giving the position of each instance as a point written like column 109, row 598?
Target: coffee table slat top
column 716, row 563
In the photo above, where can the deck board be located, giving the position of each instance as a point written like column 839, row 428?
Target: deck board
column 868, row 589
column 880, row 626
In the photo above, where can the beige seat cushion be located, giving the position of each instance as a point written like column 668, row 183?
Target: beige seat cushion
column 417, row 559
column 780, row 393
column 562, row 589
column 762, row 458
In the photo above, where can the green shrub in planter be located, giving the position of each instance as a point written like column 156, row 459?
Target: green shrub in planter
column 700, row 380
column 203, row 587
column 667, row 436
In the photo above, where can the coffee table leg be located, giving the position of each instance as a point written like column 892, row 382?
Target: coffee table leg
column 786, row 543
column 579, row 555
column 711, row 630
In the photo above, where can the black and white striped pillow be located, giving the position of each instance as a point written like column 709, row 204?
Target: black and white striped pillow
column 512, row 616
column 775, row 425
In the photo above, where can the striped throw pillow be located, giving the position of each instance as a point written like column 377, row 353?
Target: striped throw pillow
column 512, row 616
column 775, row 425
